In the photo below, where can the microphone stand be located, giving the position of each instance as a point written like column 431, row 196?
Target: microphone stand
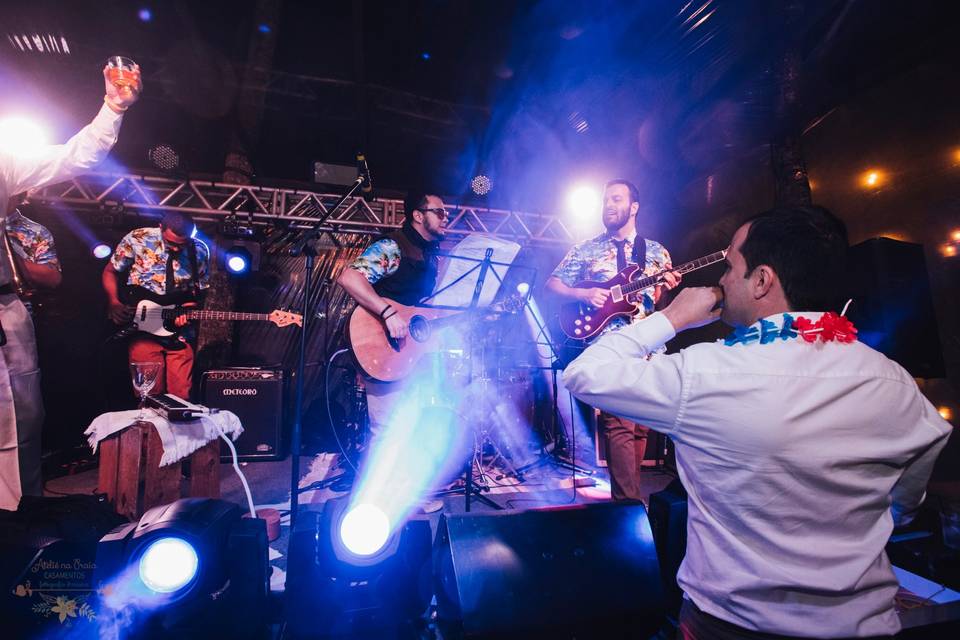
column 305, row 247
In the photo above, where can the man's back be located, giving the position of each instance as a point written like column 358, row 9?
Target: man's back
column 790, row 451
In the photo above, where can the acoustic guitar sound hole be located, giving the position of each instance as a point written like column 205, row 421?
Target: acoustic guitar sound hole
column 419, row 328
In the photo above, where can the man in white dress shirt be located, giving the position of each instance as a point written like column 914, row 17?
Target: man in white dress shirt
column 21, row 408
column 799, row 447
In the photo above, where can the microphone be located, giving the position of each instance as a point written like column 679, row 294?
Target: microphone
column 363, row 174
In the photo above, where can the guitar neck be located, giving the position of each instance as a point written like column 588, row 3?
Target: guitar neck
column 169, row 314
column 687, row 267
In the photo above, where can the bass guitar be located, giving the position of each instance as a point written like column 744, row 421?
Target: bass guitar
column 386, row 359
column 582, row 321
column 155, row 313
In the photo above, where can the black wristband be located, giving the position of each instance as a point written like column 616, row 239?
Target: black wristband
column 391, row 315
column 389, row 306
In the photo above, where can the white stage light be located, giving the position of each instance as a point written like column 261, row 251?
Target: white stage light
column 21, row 136
column 168, row 565
column 584, row 202
column 364, row 530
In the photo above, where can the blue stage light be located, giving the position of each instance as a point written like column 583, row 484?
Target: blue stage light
column 364, row 530
column 145, row 15
column 237, row 263
column 102, row 251
column 168, row 565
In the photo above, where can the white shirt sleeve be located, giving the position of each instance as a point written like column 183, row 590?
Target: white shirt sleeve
column 615, row 375
column 55, row 163
column 910, row 490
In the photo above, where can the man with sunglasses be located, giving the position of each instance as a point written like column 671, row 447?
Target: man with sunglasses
column 401, row 266
column 165, row 261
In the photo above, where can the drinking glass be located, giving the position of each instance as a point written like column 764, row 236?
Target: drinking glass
column 120, row 71
column 144, row 376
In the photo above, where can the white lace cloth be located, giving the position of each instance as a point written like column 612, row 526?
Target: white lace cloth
column 179, row 439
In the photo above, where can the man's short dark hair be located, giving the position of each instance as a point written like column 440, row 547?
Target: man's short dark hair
column 807, row 248
column 179, row 222
column 415, row 201
column 632, row 188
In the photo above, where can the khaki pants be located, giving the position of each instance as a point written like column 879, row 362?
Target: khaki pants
column 21, row 416
column 626, row 448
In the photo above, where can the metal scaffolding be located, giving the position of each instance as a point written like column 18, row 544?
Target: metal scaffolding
column 205, row 200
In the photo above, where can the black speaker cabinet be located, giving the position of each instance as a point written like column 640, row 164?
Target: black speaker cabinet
column 588, row 571
column 668, row 519
column 256, row 396
column 892, row 307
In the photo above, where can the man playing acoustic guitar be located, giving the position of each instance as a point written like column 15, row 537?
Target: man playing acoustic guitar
column 401, row 266
column 601, row 258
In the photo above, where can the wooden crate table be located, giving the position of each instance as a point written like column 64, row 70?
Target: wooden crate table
column 140, row 463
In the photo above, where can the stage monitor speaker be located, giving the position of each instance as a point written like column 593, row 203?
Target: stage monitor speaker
column 588, row 571
column 892, row 307
column 668, row 519
column 256, row 396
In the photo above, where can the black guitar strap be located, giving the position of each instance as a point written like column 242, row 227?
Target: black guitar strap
column 194, row 269
column 639, row 252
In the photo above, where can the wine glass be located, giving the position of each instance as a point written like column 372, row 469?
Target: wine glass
column 120, row 71
column 144, row 376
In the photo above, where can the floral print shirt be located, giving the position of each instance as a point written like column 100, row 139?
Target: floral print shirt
column 596, row 259
column 31, row 240
column 143, row 253
column 378, row 261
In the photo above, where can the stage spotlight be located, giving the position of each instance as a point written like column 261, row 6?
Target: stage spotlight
column 191, row 567
column 379, row 587
column 145, row 15
column 241, row 256
column 584, row 201
column 364, row 530
column 238, row 261
column 102, row 251
column 523, row 288
column 164, row 157
column 168, row 565
column 955, row 235
column 21, row 136
column 481, row 185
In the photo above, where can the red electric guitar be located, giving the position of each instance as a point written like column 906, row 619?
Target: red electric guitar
column 583, row 321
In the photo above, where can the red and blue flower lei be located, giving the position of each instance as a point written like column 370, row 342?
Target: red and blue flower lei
column 829, row 328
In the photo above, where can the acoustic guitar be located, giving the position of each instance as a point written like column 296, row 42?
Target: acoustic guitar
column 388, row 360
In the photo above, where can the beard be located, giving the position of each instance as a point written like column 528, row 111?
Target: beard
column 615, row 224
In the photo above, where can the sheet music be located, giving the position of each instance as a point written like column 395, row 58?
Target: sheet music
column 473, row 246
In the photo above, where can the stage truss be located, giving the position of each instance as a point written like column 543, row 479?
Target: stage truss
column 113, row 195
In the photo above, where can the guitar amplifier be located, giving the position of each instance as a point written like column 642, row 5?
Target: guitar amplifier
column 256, row 396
